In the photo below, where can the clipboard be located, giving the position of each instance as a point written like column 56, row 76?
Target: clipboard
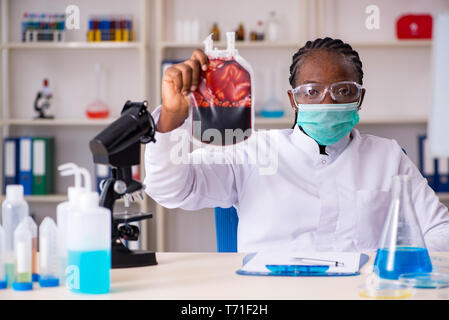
column 362, row 261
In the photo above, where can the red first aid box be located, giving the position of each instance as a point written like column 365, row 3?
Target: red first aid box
column 413, row 26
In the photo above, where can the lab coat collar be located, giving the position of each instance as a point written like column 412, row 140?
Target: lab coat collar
column 310, row 146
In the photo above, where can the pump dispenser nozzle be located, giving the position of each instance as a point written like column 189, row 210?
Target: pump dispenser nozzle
column 69, row 169
column 87, row 179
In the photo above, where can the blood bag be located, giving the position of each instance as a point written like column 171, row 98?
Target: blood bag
column 222, row 109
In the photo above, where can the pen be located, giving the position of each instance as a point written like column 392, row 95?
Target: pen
column 313, row 260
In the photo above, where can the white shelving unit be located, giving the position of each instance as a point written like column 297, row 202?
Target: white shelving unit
column 9, row 48
column 74, row 45
column 239, row 44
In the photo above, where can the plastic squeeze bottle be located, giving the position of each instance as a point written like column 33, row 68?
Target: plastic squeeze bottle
column 14, row 209
column 32, row 226
column 63, row 211
column 48, row 254
column 89, row 246
column 23, row 257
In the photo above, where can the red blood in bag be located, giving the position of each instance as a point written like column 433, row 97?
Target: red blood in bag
column 223, row 102
column 225, row 83
column 229, row 82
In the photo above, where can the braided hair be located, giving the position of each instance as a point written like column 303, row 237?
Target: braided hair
column 328, row 44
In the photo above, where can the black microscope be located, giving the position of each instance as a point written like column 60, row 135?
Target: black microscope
column 118, row 146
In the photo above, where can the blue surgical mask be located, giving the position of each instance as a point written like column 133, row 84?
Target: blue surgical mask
column 327, row 123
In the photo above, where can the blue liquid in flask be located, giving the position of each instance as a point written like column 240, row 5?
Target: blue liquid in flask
column 94, row 266
column 406, row 260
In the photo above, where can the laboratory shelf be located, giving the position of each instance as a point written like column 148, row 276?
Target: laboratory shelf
column 297, row 44
column 238, row 44
column 54, row 198
column 274, row 121
column 443, row 196
column 393, row 120
column 72, row 45
column 392, row 44
column 288, row 120
column 57, row 122
column 46, row 198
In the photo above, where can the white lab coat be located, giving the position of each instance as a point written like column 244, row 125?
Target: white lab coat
column 290, row 197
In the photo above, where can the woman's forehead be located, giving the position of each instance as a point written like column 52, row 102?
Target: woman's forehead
column 324, row 66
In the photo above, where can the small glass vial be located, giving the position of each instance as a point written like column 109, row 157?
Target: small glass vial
column 48, row 254
column 3, row 282
column 23, row 258
column 240, row 33
column 215, row 32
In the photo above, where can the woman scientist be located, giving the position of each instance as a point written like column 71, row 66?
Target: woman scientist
column 330, row 187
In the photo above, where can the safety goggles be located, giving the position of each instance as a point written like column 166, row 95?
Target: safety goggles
column 314, row 93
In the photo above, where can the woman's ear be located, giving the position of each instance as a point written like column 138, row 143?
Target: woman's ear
column 362, row 95
column 292, row 101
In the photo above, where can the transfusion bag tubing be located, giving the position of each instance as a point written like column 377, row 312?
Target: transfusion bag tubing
column 223, row 106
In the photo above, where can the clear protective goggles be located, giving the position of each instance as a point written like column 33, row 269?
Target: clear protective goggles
column 314, row 93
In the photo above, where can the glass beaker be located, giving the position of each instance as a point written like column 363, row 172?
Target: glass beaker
column 402, row 248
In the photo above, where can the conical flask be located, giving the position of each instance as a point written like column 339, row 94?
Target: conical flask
column 402, row 248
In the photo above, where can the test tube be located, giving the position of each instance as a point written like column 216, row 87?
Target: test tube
column 32, row 226
column 48, row 254
column 3, row 282
column 23, row 256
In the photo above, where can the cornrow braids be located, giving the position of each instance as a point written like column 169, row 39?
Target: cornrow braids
column 329, row 44
column 333, row 45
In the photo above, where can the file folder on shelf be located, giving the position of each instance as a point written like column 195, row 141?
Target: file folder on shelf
column 43, row 165
column 10, row 162
column 26, row 164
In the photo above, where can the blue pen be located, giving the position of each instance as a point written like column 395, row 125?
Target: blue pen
column 296, row 269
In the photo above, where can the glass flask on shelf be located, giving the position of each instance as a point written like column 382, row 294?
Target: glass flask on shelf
column 272, row 107
column 97, row 109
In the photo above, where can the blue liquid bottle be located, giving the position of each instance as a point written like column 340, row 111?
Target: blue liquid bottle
column 402, row 249
column 89, row 246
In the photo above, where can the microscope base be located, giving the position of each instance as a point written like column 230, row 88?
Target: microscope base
column 122, row 257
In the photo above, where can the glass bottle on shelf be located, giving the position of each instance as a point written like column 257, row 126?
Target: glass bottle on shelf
column 272, row 26
column 260, row 32
column 240, row 33
column 215, row 32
